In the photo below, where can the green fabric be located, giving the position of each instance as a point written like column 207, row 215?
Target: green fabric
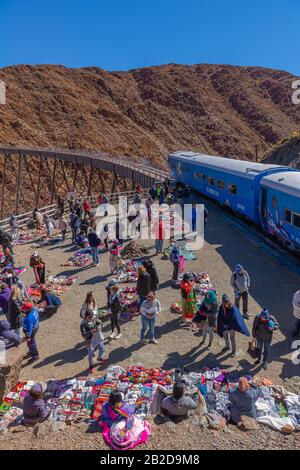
column 211, row 297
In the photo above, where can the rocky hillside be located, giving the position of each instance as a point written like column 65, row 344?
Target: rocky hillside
column 286, row 152
column 148, row 112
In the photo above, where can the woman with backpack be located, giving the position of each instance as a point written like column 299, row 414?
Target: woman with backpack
column 91, row 330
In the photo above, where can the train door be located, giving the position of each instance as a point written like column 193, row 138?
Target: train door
column 263, row 206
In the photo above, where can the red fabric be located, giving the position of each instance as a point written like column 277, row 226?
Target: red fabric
column 186, row 286
column 159, row 230
column 86, row 207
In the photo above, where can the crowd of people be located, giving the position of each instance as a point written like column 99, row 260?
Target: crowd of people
column 206, row 319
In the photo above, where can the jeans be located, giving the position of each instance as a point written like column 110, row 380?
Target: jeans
column 175, row 271
column 207, row 330
column 244, row 297
column 263, row 345
column 159, row 245
column 147, row 325
column 31, row 343
column 95, row 254
column 74, row 234
column 91, row 351
column 115, row 323
column 230, row 335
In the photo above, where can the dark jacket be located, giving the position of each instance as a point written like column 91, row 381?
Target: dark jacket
column 51, row 299
column 261, row 330
column 174, row 255
column 9, row 338
column 35, row 410
column 231, row 319
column 87, row 327
column 93, row 240
column 243, row 403
column 4, row 300
column 15, row 314
column 115, row 304
column 154, row 279
column 143, row 284
column 75, row 221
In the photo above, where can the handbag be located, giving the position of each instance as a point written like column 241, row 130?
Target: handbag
column 252, row 349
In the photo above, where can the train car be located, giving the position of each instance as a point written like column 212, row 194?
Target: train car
column 232, row 183
column 280, row 207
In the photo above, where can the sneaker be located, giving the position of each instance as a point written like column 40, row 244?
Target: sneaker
column 98, row 264
column 118, row 336
column 208, row 347
column 246, row 316
column 144, row 341
column 35, row 358
column 154, row 341
column 265, row 366
column 112, row 336
column 233, row 354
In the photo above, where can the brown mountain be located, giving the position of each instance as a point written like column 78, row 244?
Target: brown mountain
column 286, row 152
column 146, row 113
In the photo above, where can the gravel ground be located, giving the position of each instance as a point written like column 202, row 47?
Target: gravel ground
column 62, row 352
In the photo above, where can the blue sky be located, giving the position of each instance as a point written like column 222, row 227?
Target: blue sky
column 125, row 34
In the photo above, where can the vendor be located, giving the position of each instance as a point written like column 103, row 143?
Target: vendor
column 188, row 297
column 52, row 302
column 39, row 268
column 4, row 298
column 113, row 411
column 34, row 407
column 8, row 336
column 243, row 400
column 178, row 405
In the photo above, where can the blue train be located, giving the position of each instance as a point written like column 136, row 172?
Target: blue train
column 268, row 195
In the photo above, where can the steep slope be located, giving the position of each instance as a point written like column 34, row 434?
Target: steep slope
column 286, row 152
column 148, row 112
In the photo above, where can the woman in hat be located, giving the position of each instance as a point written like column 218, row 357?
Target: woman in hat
column 188, row 297
column 34, row 406
column 39, row 268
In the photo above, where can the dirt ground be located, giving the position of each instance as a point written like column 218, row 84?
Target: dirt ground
column 62, row 353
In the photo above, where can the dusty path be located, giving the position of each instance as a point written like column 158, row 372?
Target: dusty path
column 62, row 353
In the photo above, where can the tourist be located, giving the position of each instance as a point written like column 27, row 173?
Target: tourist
column 63, row 227
column 94, row 242
column 15, row 310
column 243, row 400
column 175, row 259
column 4, row 298
column 148, row 204
column 78, row 210
column 86, row 208
column 75, row 224
column 154, row 279
column 188, row 297
column 240, row 282
column 159, row 232
column 262, row 331
column 91, row 330
column 51, row 301
column 152, row 192
column 114, row 256
column 93, row 224
column 296, row 310
column 38, row 218
column 39, row 268
column 49, row 223
column 115, row 309
column 8, row 337
column 111, row 283
column 35, row 409
column 104, row 235
column 177, row 406
column 209, row 308
column 90, row 303
column 149, row 310
column 14, row 226
column 229, row 322
column 143, row 284
column 30, row 328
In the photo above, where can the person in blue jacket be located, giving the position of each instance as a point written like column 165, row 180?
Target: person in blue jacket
column 30, row 328
column 75, row 224
column 8, row 336
column 94, row 242
column 52, row 302
column 229, row 322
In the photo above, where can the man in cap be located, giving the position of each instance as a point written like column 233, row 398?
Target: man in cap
column 30, row 328
column 240, row 281
column 35, row 409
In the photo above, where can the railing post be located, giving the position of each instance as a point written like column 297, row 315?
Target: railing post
column 53, row 180
column 3, row 184
column 18, row 184
column 39, row 183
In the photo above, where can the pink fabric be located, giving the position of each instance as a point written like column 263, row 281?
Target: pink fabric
column 142, row 439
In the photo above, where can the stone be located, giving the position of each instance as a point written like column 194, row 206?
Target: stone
column 247, row 424
column 287, row 429
column 48, row 427
column 10, row 369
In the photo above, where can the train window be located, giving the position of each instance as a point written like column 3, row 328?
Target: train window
column 212, row 181
column 233, row 188
column 296, row 220
column 288, row 216
column 221, row 184
column 203, row 178
column 197, row 175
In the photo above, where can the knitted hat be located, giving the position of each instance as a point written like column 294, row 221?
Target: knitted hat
column 238, row 268
column 225, row 298
column 26, row 307
column 39, row 387
column 265, row 315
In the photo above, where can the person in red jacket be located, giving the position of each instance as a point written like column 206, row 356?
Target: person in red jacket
column 159, row 234
column 86, row 207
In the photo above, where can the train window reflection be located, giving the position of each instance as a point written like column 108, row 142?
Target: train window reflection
column 221, row 184
column 233, row 188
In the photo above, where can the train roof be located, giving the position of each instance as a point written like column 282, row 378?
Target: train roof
column 238, row 167
column 286, row 181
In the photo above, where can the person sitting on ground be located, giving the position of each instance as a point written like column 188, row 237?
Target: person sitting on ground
column 243, row 400
column 4, row 298
column 35, row 409
column 8, row 336
column 8, row 258
column 229, row 322
column 81, row 240
column 115, row 309
column 91, row 330
column 90, row 303
column 52, row 302
column 113, row 410
column 262, row 331
column 177, row 406
column 154, row 279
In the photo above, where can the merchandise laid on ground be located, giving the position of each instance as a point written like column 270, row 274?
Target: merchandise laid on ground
column 80, row 258
column 81, row 399
column 56, row 285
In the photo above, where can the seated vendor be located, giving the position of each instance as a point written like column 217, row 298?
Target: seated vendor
column 178, row 405
column 81, row 240
column 113, row 410
column 52, row 302
column 243, row 400
column 8, row 336
column 35, row 409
